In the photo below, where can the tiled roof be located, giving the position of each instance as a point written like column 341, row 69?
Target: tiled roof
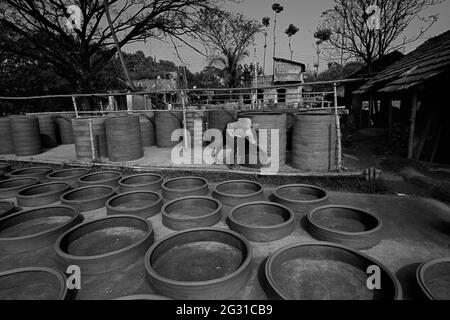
column 429, row 60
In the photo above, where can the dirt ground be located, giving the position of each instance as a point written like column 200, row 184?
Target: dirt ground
column 414, row 230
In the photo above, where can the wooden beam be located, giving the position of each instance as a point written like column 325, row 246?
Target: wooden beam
column 412, row 125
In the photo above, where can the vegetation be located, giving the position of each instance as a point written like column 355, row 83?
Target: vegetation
column 277, row 8
column 347, row 24
column 266, row 25
column 36, row 30
column 227, row 37
column 290, row 32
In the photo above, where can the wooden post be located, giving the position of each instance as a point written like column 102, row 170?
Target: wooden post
column 390, row 121
column 356, row 110
column 338, row 129
column 436, row 144
column 426, row 130
column 412, row 125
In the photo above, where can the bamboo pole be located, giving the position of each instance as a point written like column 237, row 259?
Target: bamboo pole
column 184, row 122
column 178, row 90
column 74, row 101
column 338, row 130
column 91, row 139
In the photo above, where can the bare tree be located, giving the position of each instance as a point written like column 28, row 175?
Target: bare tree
column 227, row 36
column 37, row 29
column 353, row 32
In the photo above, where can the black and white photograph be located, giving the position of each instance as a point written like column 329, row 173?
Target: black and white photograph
column 214, row 156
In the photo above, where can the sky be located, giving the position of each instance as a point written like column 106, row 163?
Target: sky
column 305, row 14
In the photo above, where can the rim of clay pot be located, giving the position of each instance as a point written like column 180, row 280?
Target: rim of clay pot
column 87, row 118
column 36, row 181
column 246, row 261
column 109, row 204
column 164, row 185
column 63, row 254
column 68, row 201
column 123, row 183
column 16, row 173
column 210, row 214
column 11, row 206
column 276, row 194
column 267, row 203
column 421, row 271
column 54, row 174
column 311, row 216
column 274, row 286
column 76, row 216
column 5, row 192
column 261, row 113
column 66, row 187
column 313, row 113
column 143, row 297
column 92, row 182
column 60, row 277
column 238, row 196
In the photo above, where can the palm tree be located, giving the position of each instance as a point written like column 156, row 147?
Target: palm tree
column 229, row 62
column 291, row 31
column 322, row 35
column 266, row 24
column 278, row 9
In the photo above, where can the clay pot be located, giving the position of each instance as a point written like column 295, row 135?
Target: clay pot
column 191, row 212
column 184, row 187
column 262, row 221
column 351, row 227
column 235, row 192
column 225, row 257
column 104, row 245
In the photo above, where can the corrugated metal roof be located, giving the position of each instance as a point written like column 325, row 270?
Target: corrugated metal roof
column 295, row 63
column 429, row 60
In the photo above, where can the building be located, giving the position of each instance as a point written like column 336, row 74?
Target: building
column 287, row 72
column 355, row 102
column 419, row 81
column 166, row 93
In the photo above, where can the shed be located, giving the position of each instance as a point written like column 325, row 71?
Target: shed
column 420, row 80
